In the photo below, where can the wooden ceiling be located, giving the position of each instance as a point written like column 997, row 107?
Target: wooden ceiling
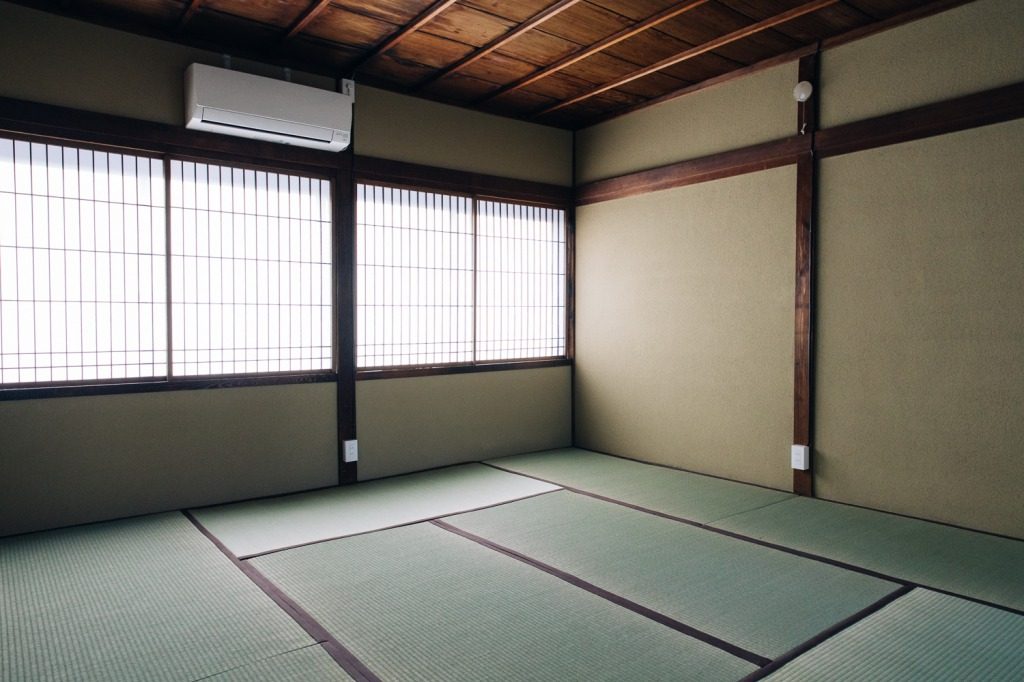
column 568, row 63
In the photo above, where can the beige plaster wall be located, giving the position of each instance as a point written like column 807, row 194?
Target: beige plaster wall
column 756, row 108
column 685, row 325
column 958, row 52
column 411, row 424
column 920, row 360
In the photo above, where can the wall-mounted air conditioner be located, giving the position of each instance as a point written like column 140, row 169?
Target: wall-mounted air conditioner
column 241, row 104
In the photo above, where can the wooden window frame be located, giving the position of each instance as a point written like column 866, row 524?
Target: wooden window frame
column 477, row 187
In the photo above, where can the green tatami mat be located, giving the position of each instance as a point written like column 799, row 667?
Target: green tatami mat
column 973, row 564
column 249, row 528
column 922, row 636
column 679, row 493
column 311, row 664
column 761, row 599
column 140, row 599
column 421, row 603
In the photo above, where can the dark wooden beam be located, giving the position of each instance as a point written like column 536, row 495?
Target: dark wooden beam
column 474, row 56
column 306, row 18
column 186, row 16
column 421, row 20
column 803, row 346
column 614, row 39
column 962, row 113
column 344, row 221
column 727, row 164
column 696, row 51
column 914, row 14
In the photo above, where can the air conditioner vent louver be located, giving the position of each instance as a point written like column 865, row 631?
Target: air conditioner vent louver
column 240, row 104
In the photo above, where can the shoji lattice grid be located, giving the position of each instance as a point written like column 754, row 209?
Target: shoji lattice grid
column 520, row 299
column 251, row 271
column 82, row 265
column 414, row 302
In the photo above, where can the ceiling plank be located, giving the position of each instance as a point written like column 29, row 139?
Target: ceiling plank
column 186, row 16
column 692, row 52
column 404, row 32
column 306, row 18
column 600, row 46
column 528, row 25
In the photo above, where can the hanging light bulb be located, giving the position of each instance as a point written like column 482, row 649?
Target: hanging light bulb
column 802, row 91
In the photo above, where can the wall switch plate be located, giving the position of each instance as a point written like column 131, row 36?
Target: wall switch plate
column 801, row 457
column 351, row 451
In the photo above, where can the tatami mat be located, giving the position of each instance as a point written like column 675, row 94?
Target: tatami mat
column 758, row 598
column 973, row 564
column 921, row 636
column 311, row 664
column 139, row 599
column 679, row 493
column 421, row 603
column 249, row 528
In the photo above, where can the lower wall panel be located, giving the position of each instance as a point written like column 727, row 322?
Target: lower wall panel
column 920, row 359
column 425, row 422
column 684, row 326
column 65, row 461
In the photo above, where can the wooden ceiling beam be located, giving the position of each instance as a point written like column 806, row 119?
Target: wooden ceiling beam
column 721, row 41
column 626, row 33
column 528, row 25
column 186, row 16
column 306, row 18
column 404, row 32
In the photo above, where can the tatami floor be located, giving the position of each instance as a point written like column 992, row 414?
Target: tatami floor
column 562, row 565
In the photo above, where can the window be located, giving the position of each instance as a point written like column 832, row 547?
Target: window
column 449, row 279
column 82, row 265
column 250, row 271
column 97, row 286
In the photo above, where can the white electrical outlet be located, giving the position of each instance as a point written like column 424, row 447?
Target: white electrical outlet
column 801, row 457
column 351, row 451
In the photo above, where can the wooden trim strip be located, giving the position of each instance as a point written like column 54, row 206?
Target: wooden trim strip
column 76, row 125
column 827, row 634
column 421, row 20
column 342, row 656
column 727, row 164
column 690, row 53
column 410, row 372
column 962, row 113
column 306, row 18
column 161, row 385
column 803, row 347
column 499, row 42
column 616, row 599
column 371, row 169
column 344, row 267
column 600, row 46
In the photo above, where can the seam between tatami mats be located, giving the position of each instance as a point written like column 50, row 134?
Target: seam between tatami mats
column 747, row 511
column 341, row 655
column 618, row 600
column 771, row 545
column 827, row 634
column 427, row 519
column 261, row 660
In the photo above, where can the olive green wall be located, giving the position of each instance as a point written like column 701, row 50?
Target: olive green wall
column 441, row 420
column 966, row 49
column 74, row 460
column 79, row 459
column 684, row 326
column 708, row 121
column 920, row 357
